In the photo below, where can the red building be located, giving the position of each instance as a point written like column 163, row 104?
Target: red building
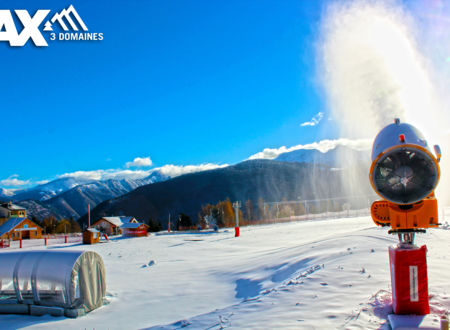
column 113, row 225
column 133, row 229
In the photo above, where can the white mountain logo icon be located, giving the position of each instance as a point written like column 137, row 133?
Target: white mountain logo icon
column 66, row 14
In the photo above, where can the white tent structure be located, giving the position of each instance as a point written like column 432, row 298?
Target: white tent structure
column 69, row 283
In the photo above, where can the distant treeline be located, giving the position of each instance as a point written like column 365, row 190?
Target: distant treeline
column 51, row 225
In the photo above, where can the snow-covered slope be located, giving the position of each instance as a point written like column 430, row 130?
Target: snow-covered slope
column 321, row 274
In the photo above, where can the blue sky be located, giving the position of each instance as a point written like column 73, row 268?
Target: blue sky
column 181, row 82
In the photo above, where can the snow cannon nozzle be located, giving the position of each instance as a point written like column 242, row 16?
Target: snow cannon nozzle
column 404, row 173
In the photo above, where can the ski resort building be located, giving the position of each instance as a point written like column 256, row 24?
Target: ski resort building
column 20, row 228
column 134, row 229
column 112, row 225
column 10, row 210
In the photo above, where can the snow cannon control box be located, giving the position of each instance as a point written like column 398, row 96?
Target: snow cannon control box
column 409, row 279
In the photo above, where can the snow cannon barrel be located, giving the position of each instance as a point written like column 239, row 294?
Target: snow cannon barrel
column 404, row 173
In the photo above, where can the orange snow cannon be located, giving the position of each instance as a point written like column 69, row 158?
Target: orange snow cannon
column 404, row 173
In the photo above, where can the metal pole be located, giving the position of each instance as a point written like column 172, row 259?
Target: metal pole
column 89, row 215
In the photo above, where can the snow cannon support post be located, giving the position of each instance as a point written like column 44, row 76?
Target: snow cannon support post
column 409, row 279
column 400, row 158
column 236, row 205
column 444, row 323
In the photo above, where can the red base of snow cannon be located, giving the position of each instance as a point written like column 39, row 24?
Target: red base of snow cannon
column 409, row 280
column 236, row 231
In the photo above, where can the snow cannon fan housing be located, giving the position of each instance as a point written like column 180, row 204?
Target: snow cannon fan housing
column 405, row 174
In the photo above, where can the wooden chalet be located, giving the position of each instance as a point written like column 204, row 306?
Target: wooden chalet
column 10, row 210
column 20, row 228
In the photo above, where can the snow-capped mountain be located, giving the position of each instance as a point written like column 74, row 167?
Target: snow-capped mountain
column 48, row 190
column 65, row 198
column 6, row 194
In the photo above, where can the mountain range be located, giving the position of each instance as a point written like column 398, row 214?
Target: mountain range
column 70, row 196
column 253, row 180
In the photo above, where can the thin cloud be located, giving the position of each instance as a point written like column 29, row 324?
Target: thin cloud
column 13, row 181
column 140, row 162
column 322, row 146
column 119, row 174
column 176, row 170
column 314, row 120
column 97, row 175
column 42, row 182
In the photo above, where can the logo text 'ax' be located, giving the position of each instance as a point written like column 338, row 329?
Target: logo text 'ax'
column 68, row 19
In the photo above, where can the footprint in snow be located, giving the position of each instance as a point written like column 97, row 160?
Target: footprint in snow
column 151, row 263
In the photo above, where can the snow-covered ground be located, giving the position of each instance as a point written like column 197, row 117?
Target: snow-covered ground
column 321, row 274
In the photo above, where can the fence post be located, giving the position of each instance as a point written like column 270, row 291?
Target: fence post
column 21, row 243
column 45, row 241
column 65, row 239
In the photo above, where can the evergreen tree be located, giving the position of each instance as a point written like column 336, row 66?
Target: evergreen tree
column 184, row 221
column 218, row 215
column 154, row 226
column 74, row 226
column 36, row 220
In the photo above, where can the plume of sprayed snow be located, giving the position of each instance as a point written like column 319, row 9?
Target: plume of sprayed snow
column 314, row 120
column 374, row 71
column 322, row 146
